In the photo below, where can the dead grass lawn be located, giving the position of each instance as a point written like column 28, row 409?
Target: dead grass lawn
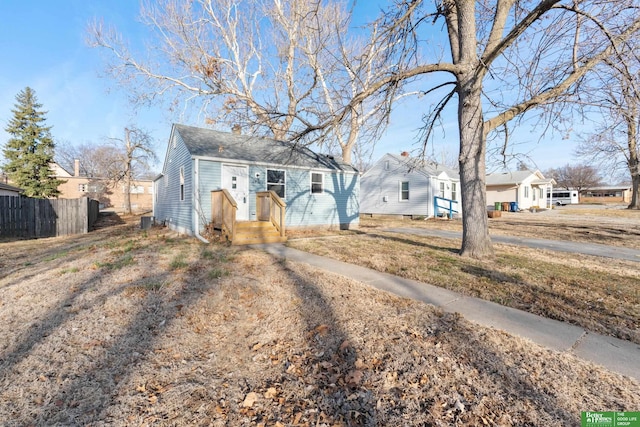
column 124, row 327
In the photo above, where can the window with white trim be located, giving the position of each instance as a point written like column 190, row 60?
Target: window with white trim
column 181, row 183
column 442, row 190
column 276, row 181
column 317, row 183
column 526, row 191
column 454, row 191
column 404, row 190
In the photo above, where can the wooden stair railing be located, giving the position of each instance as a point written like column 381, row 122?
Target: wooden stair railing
column 223, row 213
column 270, row 208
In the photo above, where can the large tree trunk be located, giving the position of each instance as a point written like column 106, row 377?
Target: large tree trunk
column 476, row 242
column 634, row 162
column 635, row 190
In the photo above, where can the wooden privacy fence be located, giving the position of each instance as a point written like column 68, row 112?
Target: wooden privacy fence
column 27, row 217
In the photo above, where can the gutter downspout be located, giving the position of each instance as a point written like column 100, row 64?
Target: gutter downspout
column 196, row 196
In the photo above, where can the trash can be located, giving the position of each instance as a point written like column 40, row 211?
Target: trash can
column 505, row 206
column 497, row 206
column 514, row 206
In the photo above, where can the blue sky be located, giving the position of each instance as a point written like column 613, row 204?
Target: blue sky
column 43, row 45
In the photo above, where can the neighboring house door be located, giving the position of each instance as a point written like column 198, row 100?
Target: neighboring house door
column 235, row 179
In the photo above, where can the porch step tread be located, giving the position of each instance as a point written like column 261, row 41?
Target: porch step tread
column 253, row 224
column 256, row 240
column 256, row 232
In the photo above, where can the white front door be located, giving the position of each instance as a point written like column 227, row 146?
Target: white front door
column 235, row 179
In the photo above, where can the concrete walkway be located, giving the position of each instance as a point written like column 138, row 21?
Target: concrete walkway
column 615, row 354
column 552, row 245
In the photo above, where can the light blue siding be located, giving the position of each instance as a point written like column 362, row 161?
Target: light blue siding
column 209, row 179
column 337, row 206
column 175, row 213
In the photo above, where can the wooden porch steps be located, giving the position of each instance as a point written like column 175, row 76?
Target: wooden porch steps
column 257, row 232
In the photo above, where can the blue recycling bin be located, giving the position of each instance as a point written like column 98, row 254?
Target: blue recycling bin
column 514, row 206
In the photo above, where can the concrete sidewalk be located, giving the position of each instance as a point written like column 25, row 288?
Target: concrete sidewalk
column 552, row 245
column 615, row 354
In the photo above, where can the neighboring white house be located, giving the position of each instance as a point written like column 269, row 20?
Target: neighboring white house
column 528, row 189
column 401, row 185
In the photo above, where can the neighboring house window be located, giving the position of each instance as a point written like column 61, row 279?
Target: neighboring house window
column 404, row 190
column 276, row 181
column 181, row 183
column 150, row 190
column 317, row 183
column 442, row 190
column 526, row 191
column 454, row 191
column 541, row 194
column 533, row 194
column 82, row 188
column 137, row 189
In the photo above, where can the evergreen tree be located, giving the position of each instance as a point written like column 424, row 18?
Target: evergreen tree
column 30, row 149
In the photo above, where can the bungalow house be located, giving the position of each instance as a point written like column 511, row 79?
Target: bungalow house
column 606, row 194
column 108, row 194
column 230, row 181
column 401, row 185
column 9, row 190
column 526, row 188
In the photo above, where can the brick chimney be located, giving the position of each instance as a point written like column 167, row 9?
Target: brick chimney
column 76, row 167
column 405, row 154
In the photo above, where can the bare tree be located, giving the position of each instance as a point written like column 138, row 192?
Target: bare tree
column 614, row 143
column 275, row 67
column 133, row 155
column 578, row 177
column 94, row 160
column 504, row 58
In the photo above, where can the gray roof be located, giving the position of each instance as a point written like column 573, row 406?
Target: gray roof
column 230, row 146
column 10, row 188
column 515, row 177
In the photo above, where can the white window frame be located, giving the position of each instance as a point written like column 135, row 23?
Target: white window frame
column 454, row 191
column 442, row 189
column 182, row 183
column 283, row 184
column 402, row 191
column 526, row 191
column 321, row 182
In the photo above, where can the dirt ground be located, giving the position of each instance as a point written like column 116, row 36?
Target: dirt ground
column 138, row 328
